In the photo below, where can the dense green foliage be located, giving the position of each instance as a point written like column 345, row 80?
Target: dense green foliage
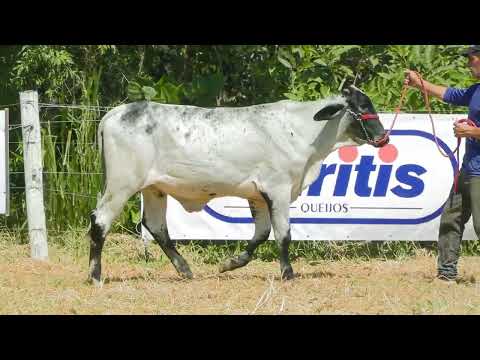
column 202, row 75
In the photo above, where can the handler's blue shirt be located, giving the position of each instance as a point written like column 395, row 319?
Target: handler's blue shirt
column 468, row 97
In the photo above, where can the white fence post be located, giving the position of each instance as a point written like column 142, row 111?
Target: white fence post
column 32, row 155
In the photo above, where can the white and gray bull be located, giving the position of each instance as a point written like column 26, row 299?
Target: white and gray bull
column 264, row 153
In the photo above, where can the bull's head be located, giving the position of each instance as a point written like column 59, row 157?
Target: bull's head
column 362, row 122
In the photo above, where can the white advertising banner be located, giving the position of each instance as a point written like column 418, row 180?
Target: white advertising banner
column 4, row 190
column 362, row 193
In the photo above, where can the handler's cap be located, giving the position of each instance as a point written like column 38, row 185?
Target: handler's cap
column 473, row 49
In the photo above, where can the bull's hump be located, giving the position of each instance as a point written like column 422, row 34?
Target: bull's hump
column 149, row 114
column 133, row 112
column 198, row 109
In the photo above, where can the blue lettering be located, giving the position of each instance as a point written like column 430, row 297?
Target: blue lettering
column 343, row 179
column 316, row 187
column 411, row 185
column 383, row 179
column 364, row 169
column 404, row 177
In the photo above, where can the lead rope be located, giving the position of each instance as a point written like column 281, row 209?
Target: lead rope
column 457, row 150
column 397, row 111
column 429, row 110
column 459, row 140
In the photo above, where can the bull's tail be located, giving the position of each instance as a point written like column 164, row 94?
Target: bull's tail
column 101, row 145
column 101, row 150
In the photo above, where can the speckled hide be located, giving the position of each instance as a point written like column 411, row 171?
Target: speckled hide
column 264, row 153
column 196, row 154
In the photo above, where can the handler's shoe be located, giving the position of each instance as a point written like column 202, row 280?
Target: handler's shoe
column 444, row 279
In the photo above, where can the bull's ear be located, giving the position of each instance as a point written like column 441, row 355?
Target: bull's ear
column 328, row 112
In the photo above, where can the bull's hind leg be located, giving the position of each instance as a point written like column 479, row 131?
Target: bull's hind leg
column 155, row 220
column 109, row 207
column 262, row 231
column 279, row 206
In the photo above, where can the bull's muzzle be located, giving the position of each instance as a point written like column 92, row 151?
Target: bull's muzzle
column 382, row 140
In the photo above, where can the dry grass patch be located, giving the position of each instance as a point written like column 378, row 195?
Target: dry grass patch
column 132, row 286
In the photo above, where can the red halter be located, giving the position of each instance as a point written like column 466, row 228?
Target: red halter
column 366, row 117
column 369, row 117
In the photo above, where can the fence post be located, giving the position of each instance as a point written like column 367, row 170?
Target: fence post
column 32, row 155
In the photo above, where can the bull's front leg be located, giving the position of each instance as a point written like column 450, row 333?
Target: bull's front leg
column 278, row 201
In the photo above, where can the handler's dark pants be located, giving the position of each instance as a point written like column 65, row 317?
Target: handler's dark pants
column 457, row 212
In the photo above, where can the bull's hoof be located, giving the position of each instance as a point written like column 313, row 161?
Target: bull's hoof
column 185, row 272
column 224, row 267
column 234, row 263
column 182, row 268
column 95, row 282
column 229, row 265
column 287, row 273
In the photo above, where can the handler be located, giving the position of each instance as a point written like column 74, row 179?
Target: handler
column 460, row 206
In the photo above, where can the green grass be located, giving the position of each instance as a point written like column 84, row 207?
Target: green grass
column 206, row 252
column 70, row 146
column 308, row 250
column 72, row 168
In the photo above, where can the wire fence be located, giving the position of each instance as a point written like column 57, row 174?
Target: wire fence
column 62, row 172
column 81, row 195
column 78, row 107
column 9, row 105
column 60, row 143
column 67, row 106
column 67, row 121
column 57, row 191
column 71, row 166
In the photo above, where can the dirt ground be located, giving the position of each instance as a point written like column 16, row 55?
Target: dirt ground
column 133, row 286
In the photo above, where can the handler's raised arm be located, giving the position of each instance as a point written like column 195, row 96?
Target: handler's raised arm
column 412, row 79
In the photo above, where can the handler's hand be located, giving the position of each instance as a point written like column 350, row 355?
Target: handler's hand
column 412, row 79
column 463, row 130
